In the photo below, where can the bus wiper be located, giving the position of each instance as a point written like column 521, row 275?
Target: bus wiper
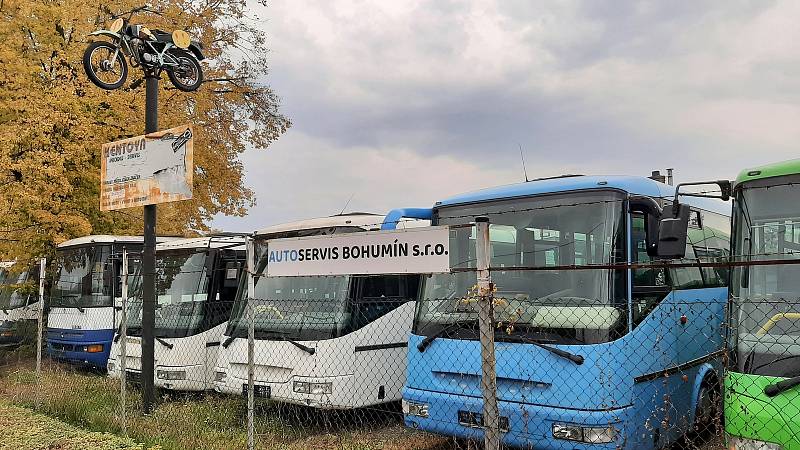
column 769, row 363
column 164, row 343
column 281, row 337
column 425, row 343
column 309, row 350
column 781, row 386
column 118, row 333
column 577, row 359
column 228, row 341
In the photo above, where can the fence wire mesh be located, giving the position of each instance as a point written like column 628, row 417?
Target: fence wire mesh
column 591, row 349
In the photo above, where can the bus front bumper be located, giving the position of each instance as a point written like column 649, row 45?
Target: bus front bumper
column 175, row 378
column 335, row 392
column 90, row 347
column 10, row 335
column 522, row 425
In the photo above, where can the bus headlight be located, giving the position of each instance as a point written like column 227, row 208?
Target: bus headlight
column 738, row 443
column 171, row 374
column 415, row 409
column 303, row 387
column 590, row 435
column 94, row 348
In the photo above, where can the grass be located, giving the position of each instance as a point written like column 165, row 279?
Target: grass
column 92, row 402
column 22, row 428
column 213, row 422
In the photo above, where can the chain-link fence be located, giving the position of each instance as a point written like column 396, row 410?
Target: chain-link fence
column 547, row 340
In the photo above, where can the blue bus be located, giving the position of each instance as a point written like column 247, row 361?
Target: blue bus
column 591, row 350
column 85, row 298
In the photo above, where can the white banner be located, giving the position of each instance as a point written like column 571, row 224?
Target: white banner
column 415, row 250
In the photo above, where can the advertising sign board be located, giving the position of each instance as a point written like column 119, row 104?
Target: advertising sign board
column 415, row 250
column 147, row 170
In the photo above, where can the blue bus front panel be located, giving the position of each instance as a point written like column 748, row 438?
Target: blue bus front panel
column 644, row 384
column 72, row 346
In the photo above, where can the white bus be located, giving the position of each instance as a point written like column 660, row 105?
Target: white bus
column 19, row 303
column 196, row 281
column 87, row 284
column 334, row 342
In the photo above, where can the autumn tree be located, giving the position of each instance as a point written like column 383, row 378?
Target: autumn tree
column 53, row 120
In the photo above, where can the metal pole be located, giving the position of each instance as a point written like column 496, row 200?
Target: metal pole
column 123, row 336
column 40, row 316
column 251, row 331
column 40, row 323
column 149, row 260
column 491, row 416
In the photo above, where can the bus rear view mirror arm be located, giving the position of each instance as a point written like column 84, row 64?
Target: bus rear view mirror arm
column 652, row 214
column 725, row 190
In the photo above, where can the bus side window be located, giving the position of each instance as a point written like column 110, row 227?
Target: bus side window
column 687, row 277
column 116, row 274
column 225, row 290
column 714, row 247
column 650, row 284
column 381, row 295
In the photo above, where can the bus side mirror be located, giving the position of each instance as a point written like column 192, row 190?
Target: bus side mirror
column 672, row 232
column 652, row 213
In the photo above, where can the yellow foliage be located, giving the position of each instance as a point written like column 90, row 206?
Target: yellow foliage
column 53, row 120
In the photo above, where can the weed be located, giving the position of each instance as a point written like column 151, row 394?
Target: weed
column 209, row 421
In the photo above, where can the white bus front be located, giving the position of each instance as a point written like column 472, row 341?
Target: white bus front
column 196, row 281
column 335, row 342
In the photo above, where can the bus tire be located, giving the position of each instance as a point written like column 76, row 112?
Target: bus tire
column 708, row 407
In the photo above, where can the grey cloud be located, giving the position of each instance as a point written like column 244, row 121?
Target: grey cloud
column 706, row 87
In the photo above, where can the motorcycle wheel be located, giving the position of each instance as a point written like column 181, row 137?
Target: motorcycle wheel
column 98, row 67
column 188, row 76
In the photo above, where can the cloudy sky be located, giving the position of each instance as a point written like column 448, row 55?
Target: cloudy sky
column 401, row 103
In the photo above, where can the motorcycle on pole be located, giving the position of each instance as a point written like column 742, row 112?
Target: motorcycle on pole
column 106, row 62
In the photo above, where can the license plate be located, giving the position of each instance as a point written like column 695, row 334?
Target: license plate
column 259, row 391
column 133, row 377
column 475, row 420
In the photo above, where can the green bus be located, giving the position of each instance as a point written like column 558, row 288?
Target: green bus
column 762, row 381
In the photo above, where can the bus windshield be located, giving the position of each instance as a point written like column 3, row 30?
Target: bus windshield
column 297, row 308
column 15, row 288
column 182, row 283
column 84, row 278
column 767, row 297
column 566, row 306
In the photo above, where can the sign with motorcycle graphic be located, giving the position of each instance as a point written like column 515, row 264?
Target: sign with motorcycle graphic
column 147, row 170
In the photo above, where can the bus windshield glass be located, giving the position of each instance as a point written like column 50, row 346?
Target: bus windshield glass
column 297, row 308
column 545, row 233
column 15, row 288
column 84, row 278
column 182, row 282
column 767, row 296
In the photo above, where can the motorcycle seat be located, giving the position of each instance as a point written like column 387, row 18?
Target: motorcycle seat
column 163, row 36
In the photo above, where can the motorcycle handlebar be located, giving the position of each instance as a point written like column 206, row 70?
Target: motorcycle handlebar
column 135, row 10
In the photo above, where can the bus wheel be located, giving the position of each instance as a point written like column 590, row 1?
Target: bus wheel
column 707, row 406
